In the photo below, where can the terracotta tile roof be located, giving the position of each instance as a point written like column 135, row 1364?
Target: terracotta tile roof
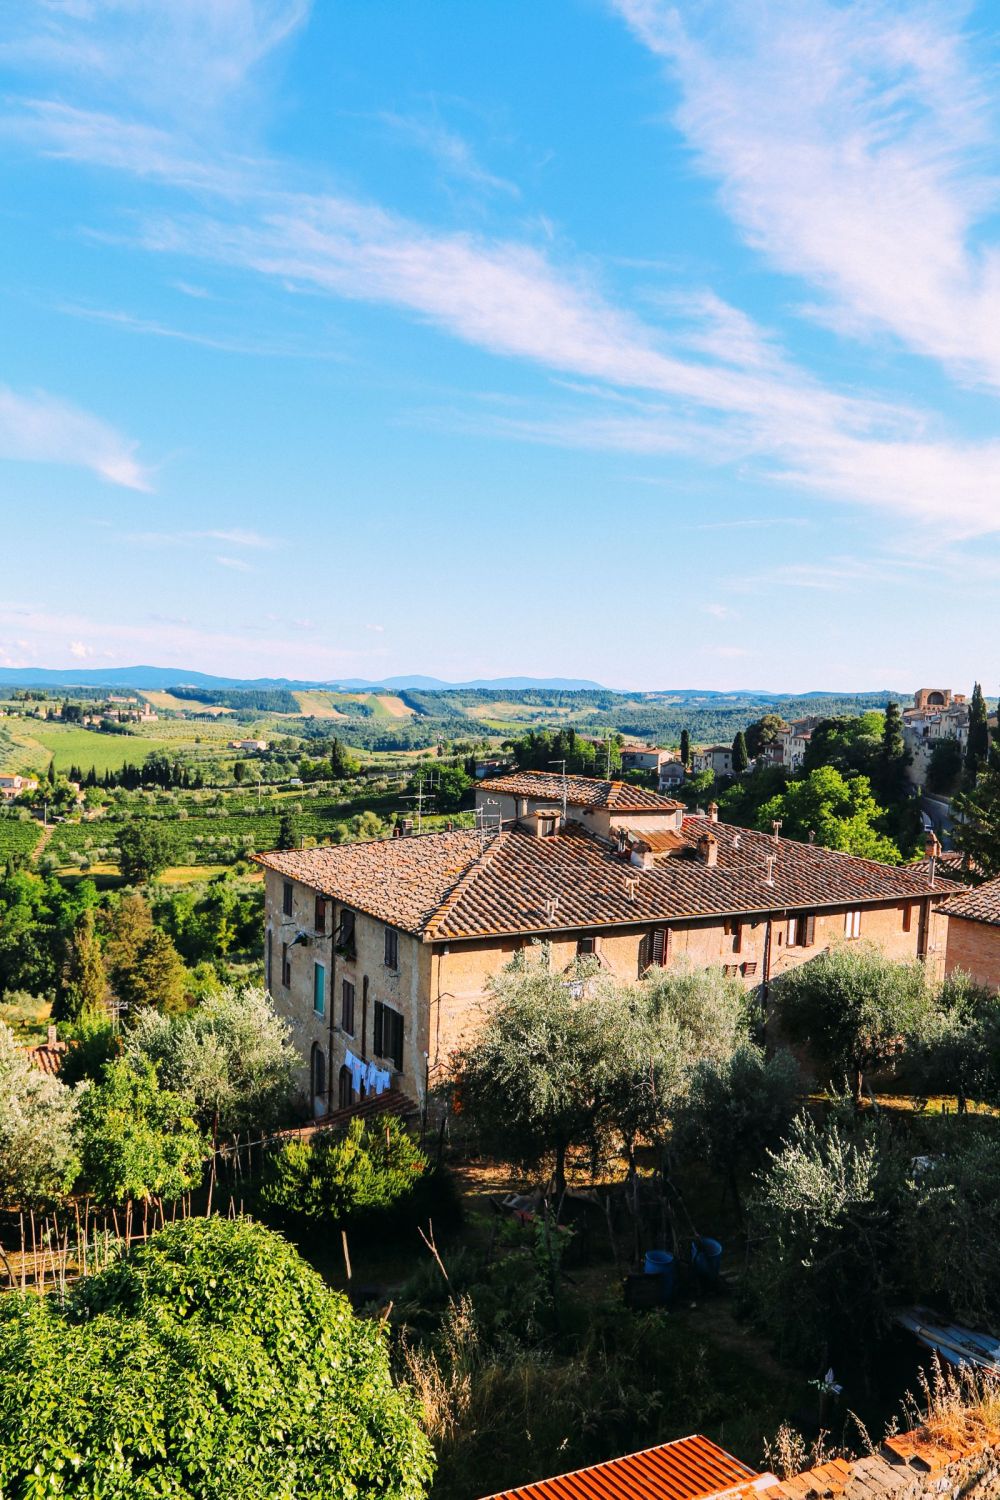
column 47, row 1057
column 690, row 1469
column 981, row 904
column 400, row 881
column 466, row 884
column 581, row 791
column 950, row 862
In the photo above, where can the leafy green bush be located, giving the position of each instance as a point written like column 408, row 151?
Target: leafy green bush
column 136, row 1139
column 357, row 1178
column 211, row 1362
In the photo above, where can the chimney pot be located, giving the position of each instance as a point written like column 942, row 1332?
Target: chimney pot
column 713, row 812
column 932, row 846
column 708, row 850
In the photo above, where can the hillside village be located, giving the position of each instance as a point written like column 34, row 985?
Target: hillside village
column 625, row 1013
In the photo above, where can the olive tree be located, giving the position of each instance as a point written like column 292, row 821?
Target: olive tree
column 855, row 1008
column 526, row 1082
column 232, row 1057
column 38, row 1159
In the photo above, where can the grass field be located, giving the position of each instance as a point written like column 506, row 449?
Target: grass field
column 184, row 705
column 34, row 744
column 322, row 705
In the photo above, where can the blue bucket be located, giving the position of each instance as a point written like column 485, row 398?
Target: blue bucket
column 706, row 1256
column 661, row 1263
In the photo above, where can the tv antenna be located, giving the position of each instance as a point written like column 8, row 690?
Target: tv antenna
column 420, row 797
column 565, row 786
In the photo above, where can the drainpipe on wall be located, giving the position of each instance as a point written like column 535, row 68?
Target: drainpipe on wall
column 331, row 1000
column 765, row 985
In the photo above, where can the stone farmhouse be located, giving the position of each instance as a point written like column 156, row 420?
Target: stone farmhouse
column 383, row 950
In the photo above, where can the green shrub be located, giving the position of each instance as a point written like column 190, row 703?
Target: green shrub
column 211, row 1362
column 364, row 1175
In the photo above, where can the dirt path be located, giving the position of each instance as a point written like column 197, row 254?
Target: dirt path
column 43, row 840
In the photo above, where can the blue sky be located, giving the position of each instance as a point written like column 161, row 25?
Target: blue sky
column 656, row 344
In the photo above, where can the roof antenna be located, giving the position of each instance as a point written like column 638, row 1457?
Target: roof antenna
column 565, row 785
column 776, row 825
column 770, row 869
column 551, row 907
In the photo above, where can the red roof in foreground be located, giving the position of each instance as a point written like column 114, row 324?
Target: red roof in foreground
column 690, row 1469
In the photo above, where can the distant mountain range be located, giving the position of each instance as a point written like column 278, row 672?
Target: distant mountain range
column 160, row 678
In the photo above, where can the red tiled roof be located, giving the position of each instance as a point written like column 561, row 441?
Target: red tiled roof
column 690, row 1469
column 47, row 1057
column 581, row 791
column 981, row 904
column 468, row 884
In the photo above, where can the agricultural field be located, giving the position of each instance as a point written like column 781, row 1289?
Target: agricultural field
column 164, row 700
column 18, row 837
column 35, row 742
column 322, row 705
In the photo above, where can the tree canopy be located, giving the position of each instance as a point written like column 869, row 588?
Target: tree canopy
column 210, row 1362
column 839, row 811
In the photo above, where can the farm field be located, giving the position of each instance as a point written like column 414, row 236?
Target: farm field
column 18, row 837
column 183, row 705
column 34, row 744
column 317, row 704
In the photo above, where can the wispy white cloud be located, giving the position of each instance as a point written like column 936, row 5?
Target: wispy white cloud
column 188, row 58
column 226, row 344
column 712, row 382
column 233, row 536
column 720, row 611
column 235, row 564
column 451, row 152
column 40, row 428
column 855, row 146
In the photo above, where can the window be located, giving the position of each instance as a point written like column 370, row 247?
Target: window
column 586, row 947
column 750, row 967
column 801, row 931
column 653, row 950
column 286, row 967
column 734, row 929
column 319, row 919
column 268, row 944
column 318, row 1071
column 286, row 898
column 345, row 934
column 319, row 989
column 347, row 1007
column 852, row 923
column 907, row 916
column 391, row 948
column 388, row 1034
column 345, row 1088
column 730, row 970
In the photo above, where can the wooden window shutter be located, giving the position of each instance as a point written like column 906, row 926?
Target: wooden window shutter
column 378, row 1028
column 809, row 930
column 737, row 935
column 659, row 947
column 644, row 954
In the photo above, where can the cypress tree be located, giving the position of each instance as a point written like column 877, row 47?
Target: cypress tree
column 741, row 759
column 978, row 746
column 685, row 748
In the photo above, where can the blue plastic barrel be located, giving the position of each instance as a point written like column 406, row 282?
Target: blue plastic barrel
column 661, row 1263
column 706, row 1256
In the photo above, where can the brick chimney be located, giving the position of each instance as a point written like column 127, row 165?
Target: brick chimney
column 932, row 846
column 708, row 850
column 642, row 855
column 713, row 812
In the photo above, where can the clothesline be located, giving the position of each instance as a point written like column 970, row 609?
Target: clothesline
column 365, row 1075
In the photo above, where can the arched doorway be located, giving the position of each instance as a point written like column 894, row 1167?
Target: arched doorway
column 318, row 1071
